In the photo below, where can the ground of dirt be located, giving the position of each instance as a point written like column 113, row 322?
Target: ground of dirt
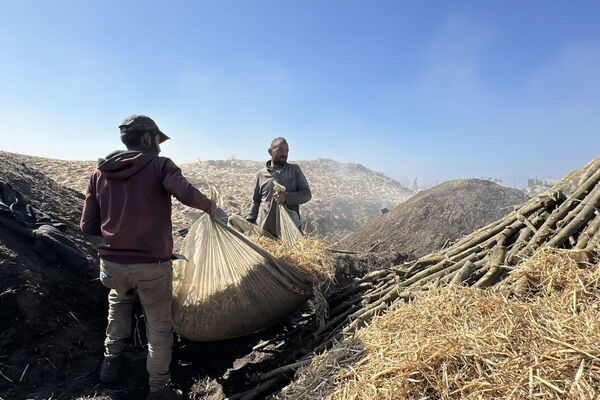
column 52, row 319
column 435, row 217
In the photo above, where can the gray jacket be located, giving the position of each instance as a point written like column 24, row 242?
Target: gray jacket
column 297, row 192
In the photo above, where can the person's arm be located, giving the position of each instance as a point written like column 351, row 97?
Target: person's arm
column 90, row 217
column 175, row 183
column 302, row 194
column 256, row 199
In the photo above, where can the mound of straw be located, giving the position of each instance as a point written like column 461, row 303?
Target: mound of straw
column 464, row 343
column 311, row 256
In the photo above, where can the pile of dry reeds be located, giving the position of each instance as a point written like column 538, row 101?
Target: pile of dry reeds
column 460, row 342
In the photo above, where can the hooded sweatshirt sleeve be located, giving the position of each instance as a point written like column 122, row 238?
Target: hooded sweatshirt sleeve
column 90, row 217
column 175, row 183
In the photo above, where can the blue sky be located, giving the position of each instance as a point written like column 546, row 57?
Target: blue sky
column 429, row 89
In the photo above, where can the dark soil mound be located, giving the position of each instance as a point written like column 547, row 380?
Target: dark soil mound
column 51, row 317
column 428, row 220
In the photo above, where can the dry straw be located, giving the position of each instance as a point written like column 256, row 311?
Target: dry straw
column 465, row 343
column 313, row 258
column 310, row 255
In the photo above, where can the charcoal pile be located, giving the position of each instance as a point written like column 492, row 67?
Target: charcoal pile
column 52, row 313
column 434, row 217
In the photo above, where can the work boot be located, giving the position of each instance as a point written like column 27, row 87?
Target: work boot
column 109, row 371
column 168, row 393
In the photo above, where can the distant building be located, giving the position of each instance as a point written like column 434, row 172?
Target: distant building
column 539, row 185
column 495, row 180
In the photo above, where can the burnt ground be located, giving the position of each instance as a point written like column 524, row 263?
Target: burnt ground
column 52, row 318
column 51, row 321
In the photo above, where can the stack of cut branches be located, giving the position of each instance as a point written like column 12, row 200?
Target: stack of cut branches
column 480, row 260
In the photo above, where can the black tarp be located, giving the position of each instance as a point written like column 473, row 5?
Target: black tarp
column 48, row 234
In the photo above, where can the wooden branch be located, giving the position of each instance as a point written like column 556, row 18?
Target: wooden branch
column 463, row 273
column 588, row 232
column 283, row 370
column 585, row 211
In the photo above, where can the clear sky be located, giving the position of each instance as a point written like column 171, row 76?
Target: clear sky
column 428, row 89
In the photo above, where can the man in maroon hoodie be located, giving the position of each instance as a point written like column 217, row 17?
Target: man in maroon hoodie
column 128, row 204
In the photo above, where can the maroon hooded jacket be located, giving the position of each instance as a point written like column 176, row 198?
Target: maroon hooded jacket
column 128, row 203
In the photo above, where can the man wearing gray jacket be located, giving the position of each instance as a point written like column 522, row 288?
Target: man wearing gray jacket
column 278, row 170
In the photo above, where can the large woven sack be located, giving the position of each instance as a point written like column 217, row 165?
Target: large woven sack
column 242, row 225
column 229, row 286
column 287, row 230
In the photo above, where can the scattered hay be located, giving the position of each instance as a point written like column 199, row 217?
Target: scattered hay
column 461, row 342
column 555, row 272
column 310, row 255
column 313, row 258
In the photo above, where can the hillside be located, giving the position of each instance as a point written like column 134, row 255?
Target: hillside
column 345, row 196
column 54, row 318
column 443, row 213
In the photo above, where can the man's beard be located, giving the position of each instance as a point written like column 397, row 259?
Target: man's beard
column 281, row 161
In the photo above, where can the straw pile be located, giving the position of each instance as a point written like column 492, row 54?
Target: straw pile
column 344, row 196
column 461, row 342
column 310, row 255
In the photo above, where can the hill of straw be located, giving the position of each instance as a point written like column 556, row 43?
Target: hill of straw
column 464, row 343
column 345, row 196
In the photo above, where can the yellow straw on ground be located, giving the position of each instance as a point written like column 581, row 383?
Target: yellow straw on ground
column 464, row 343
column 309, row 255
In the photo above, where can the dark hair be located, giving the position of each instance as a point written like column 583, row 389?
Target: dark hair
column 277, row 140
column 132, row 138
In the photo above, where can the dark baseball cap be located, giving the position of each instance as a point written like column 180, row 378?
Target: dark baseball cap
column 141, row 123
